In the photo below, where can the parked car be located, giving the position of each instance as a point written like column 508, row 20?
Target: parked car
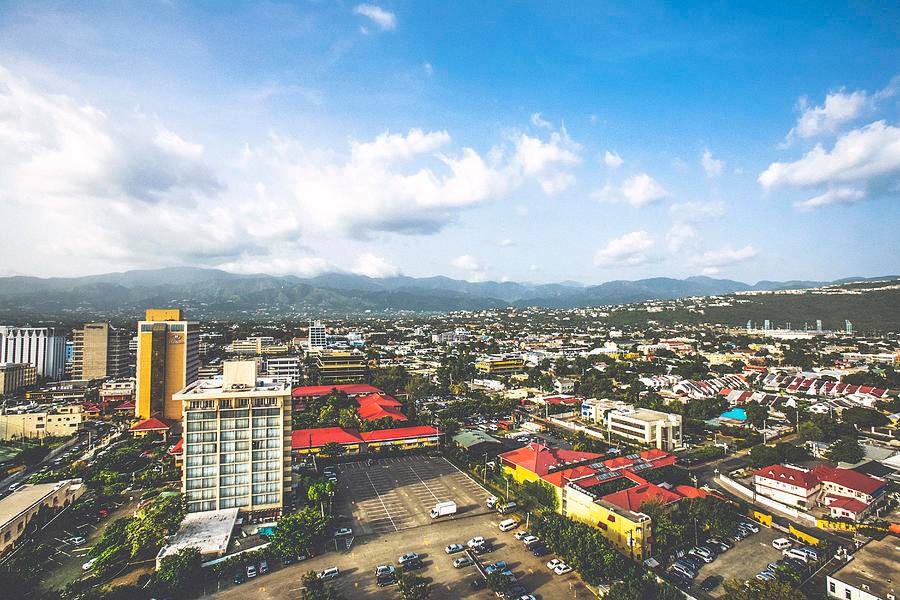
column 751, row 526
column 412, row 565
column 263, row 567
column 408, row 557
column 239, row 577
column 454, row 548
column 462, row 561
column 539, row 550
column 781, row 543
column 553, row 562
column 386, row 579
column 343, row 532
column 329, row 573
column 690, row 562
column 77, row 540
column 530, row 540
column 88, row 565
column 520, row 534
column 683, row 570
column 478, row 583
column 251, row 571
column 765, row 576
column 384, row 570
column 703, row 553
column 562, row 569
column 483, row 548
column 810, row 552
column 723, row 545
column 710, row 583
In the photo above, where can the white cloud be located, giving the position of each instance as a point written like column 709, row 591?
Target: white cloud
column 540, row 122
column 386, row 20
column 547, row 161
column 712, row 166
column 630, row 250
column 475, row 269
column 867, row 159
column 638, row 190
column 840, row 195
column 679, row 235
column 713, row 259
column 302, row 266
column 697, row 211
column 375, row 266
column 389, row 147
column 612, row 160
column 533, row 268
column 506, row 243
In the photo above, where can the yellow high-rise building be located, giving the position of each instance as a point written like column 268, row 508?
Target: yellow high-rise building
column 168, row 358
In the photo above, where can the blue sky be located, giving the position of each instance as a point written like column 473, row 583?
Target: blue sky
column 522, row 141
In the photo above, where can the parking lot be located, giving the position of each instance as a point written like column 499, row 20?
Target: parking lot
column 398, row 493
column 744, row 561
column 357, row 566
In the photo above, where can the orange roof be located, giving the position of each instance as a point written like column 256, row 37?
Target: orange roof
column 633, row 498
column 314, row 438
column 691, row 492
column 378, row 399
column 178, row 447
column 151, row 424
column 560, row 478
column 540, row 459
column 374, row 411
column 398, row 433
column 351, row 389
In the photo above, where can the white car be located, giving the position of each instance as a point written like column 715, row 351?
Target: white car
column 77, row 540
column 454, row 548
column 530, row 539
column 408, row 557
column 475, row 541
column 383, row 570
column 329, row 573
column 88, row 565
column 562, row 569
column 343, row 532
column 552, row 564
column 520, row 534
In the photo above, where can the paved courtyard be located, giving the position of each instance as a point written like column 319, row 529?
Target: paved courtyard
column 398, row 493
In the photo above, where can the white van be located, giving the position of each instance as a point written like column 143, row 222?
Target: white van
column 781, row 544
column 795, row 553
column 508, row 524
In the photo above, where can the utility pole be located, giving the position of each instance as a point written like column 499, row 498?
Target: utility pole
column 484, row 478
column 507, row 489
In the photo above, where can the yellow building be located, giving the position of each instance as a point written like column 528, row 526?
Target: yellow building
column 504, row 365
column 341, row 366
column 168, row 358
column 58, row 421
column 99, row 351
column 15, row 376
column 629, row 531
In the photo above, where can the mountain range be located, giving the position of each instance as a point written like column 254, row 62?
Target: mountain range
column 212, row 293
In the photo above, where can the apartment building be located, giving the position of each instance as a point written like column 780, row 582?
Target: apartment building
column 42, row 347
column 318, row 339
column 168, row 358
column 341, row 366
column 237, row 443
column 659, row 429
column 285, row 368
column 15, row 376
column 53, row 421
column 99, row 350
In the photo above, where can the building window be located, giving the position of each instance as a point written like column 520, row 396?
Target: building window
column 831, row 587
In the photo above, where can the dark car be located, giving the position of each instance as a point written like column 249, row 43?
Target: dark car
column 386, row 579
column 478, row 584
column 539, row 550
column 412, row 565
column 483, row 548
column 239, row 577
column 690, row 562
column 710, row 583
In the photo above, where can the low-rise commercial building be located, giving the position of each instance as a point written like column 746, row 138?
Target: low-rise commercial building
column 341, row 366
column 15, row 376
column 51, row 421
column 658, row 429
column 869, row 574
column 311, row 441
column 21, row 512
column 500, row 365
column 285, row 368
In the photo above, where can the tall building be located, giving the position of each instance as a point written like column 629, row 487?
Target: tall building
column 15, row 376
column 100, row 350
column 168, row 358
column 341, row 367
column 317, row 337
column 43, row 347
column 237, row 442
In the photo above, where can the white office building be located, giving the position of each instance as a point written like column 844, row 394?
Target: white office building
column 317, row 337
column 42, row 347
column 285, row 369
column 662, row 430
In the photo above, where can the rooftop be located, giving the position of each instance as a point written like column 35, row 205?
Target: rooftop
column 873, row 568
column 217, row 385
column 26, row 497
column 208, row 531
column 541, row 459
column 351, row 389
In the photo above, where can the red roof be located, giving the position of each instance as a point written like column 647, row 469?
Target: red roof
column 539, row 459
column 374, row 411
column 151, row 424
column 315, row 438
column 689, row 491
column 351, row 389
column 563, row 400
column 789, row 475
column 849, row 479
column 398, row 433
column 127, row 405
column 378, row 399
column 563, row 476
column 850, row 504
column 178, row 447
column 635, row 497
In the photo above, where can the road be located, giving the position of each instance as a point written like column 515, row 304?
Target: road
column 706, row 472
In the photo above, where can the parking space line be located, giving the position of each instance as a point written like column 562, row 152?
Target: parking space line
column 382, row 502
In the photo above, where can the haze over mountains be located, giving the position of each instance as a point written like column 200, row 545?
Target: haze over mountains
column 215, row 293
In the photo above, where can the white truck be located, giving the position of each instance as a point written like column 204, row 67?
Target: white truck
column 442, row 509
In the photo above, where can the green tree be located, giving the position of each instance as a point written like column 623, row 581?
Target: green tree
column 314, row 588
column 810, row 432
column 642, row 588
column 180, row 575
column 413, row 587
column 332, row 449
column 864, row 417
column 761, row 590
column 756, row 413
column 297, row 533
column 763, row 456
column 846, row 450
column 159, row 520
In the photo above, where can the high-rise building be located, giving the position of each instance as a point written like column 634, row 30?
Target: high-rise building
column 100, row 350
column 237, row 442
column 168, row 358
column 341, row 366
column 42, row 347
column 317, row 337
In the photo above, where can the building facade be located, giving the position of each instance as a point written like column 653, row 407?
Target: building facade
column 15, row 376
column 59, row 421
column 868, row 575
column 285, row 368
column 237, row 443
column 500, row 365
column 19, row 509
column 317, row 337
column 658, row 429
column 42, row 347
column 99, row 350
column 168, row 358
column 341, row 367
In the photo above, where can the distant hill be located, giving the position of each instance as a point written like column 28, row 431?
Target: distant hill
column 211, row 293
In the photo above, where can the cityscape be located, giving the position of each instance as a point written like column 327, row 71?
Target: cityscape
column 327, row 301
